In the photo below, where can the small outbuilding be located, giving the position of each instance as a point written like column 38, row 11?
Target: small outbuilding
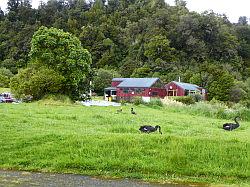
column 184, row 89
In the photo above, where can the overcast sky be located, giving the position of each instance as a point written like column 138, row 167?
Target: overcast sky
column 232, row 8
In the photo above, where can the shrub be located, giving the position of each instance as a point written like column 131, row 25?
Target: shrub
column 154, row 102
column 197, row 97
column 215, row 109
column 5, row 76
column 36, row 83
column 137, row 101
column 103, row 79
column 55, row 99
column 188, row 100
column 171, row 102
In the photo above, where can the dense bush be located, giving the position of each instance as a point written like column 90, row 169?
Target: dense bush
column 197, row 97
column 213, row 109
column 103, row 79
column 5, row 76
column 55, row 99
column 36, row 83
column 188, row 100
column 137, row 100
column 154, row 102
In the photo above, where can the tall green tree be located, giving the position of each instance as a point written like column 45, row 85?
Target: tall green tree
column 103, row 79
column 37, row 82
column 1, row 15
column 242, row 20
column 54, row 49
column 5, row 76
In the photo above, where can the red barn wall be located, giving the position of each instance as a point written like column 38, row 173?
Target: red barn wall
column 131, row 93
column 148, row 92
column 179, row 90
column 161, row 92
column 115, row 83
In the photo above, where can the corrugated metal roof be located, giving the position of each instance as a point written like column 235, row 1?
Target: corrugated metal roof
column 187, row 86
column 110, row 88
column 119, row 79
column 137, row 82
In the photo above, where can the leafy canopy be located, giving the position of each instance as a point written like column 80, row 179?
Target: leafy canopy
column 36, row 83
column 62, row 54
column 61, row 51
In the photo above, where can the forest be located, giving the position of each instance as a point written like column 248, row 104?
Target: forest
column 136, row 38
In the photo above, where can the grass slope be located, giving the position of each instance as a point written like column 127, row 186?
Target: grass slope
column 4, row 90
column 97, row 141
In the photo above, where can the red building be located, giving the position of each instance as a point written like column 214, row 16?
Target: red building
column 127, row 88
column 184, row 89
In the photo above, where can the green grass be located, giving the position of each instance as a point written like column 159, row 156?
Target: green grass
column 97, row 141
column 4, row 90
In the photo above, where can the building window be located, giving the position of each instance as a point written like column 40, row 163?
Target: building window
column 125, row 90
column 154, row 93
column 190, row 92
column 138, row 90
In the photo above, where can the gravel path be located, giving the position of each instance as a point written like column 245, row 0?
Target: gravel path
column 29, row 179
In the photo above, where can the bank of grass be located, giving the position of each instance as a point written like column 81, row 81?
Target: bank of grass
column 211, row 109
column 71, row 138
column 4, row 90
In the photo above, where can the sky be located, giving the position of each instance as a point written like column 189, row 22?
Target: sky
column 232, row 8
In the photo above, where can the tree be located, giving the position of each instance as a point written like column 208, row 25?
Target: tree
column 180, row 3
column 158, row 47
column 54, row 49
column 141, row 72
column 242, row 20
column 238, row 92
column 13, row 5
column 37, row 83
column 215, row 79
column 103, row 79
column 137, row 38
column 5, row 76
column 1, row 14
column 9, row 64
column 241, row 92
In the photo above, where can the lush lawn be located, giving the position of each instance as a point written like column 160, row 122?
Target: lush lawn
column 4, row 90
column 97, row 141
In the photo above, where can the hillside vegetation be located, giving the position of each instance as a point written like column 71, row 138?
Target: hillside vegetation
column 137, row 38
column 49, row 137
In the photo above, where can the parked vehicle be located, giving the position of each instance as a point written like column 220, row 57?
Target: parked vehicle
column 6, row 98
column 2, row 99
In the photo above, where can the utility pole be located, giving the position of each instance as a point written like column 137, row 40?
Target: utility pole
column 90, row 87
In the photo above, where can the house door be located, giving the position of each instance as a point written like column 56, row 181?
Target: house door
column 172, row 93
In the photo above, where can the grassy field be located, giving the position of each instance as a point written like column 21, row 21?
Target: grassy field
column 4, row 90
column 97, row 141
